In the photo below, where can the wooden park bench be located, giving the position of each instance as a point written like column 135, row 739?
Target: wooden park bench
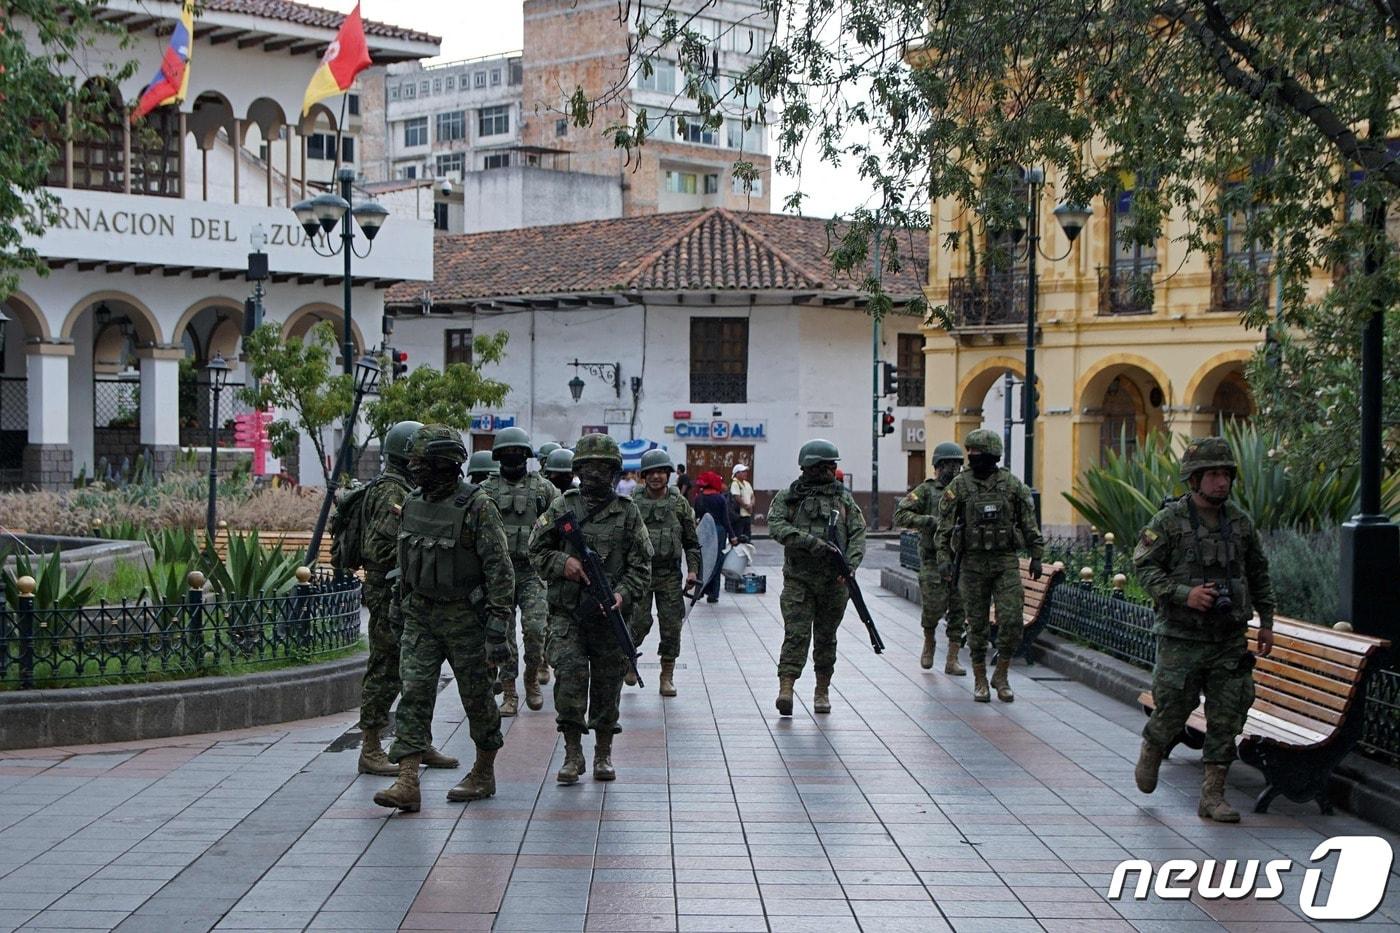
column 1035, row 607
column 1309, row 696
column 291, row 542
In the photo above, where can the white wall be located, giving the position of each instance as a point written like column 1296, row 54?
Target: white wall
column 523, row 196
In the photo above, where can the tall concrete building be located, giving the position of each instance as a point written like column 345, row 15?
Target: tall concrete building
column 494, row 136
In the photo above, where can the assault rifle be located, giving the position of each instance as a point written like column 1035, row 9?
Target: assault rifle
column 844, row 571
column 598, row 592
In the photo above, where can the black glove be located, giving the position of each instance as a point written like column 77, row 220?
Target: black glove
column 497, row 652
column 1035, row 568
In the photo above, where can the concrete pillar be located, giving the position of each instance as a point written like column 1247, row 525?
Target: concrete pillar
column 160, row 403
column 48, row 459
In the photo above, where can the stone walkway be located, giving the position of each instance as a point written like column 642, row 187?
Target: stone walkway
column 909, row 807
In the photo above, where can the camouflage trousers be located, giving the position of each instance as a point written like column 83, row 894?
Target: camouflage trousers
column 812, row 611
column 938, row 599
column 588, row 672
column 434, row 632
column 1185, row 670
column 988, row 579
column 534, row 616
column 666, row 592
column 381, row 683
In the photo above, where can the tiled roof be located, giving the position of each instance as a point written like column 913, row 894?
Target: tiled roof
column 306, row 15
column 712, row 250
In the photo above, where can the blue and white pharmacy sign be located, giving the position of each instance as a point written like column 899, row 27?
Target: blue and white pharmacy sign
column 720, row 432
column 492, row 423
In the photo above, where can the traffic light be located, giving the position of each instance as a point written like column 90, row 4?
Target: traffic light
column 398, row 362
column 887, row 422
column 891, row 380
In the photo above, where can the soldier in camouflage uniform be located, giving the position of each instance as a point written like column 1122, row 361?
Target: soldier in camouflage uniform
column 380, row 550
column 521, row 497
column 670, row 524
column 481, row 466
column 919, row 511
column 456, row 585
column 559, row 469
column 1201, row 560
column 588, row 664
column 813, row 600
column 986, row 516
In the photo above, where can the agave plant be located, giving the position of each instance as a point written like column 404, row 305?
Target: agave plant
column 252, row 570
column 53, row 589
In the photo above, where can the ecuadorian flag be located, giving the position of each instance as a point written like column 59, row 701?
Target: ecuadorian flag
column 346, row 57
column 173, row 79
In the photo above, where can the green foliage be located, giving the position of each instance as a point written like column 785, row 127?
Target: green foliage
column 295, row 375
column 252, row 570
column 445, row 397
column 1303, row 567
column 175, row 546
column 53, row 589
column 36, row 84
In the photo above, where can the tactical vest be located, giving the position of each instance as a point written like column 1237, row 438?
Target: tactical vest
column 928, row 534
column 663, row 524
column 380, row 550
column 519, row 504
column 1208, row 555
column 989, row 516
column 606, row 533
column 433, row 560
column 812, row 513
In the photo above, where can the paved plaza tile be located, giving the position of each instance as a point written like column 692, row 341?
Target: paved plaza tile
column 909, row 807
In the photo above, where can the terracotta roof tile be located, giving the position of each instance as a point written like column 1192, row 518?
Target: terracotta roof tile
column 712, row 250
column 306, row 15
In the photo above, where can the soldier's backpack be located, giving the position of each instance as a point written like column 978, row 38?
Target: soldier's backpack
column 348, row 527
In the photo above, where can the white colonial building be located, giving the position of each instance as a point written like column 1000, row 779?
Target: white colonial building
column 724, row 336
column 103, row 355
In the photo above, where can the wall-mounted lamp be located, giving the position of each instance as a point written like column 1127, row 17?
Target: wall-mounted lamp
column 610, row 373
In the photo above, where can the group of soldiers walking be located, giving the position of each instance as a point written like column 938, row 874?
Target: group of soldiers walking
column 448, row 562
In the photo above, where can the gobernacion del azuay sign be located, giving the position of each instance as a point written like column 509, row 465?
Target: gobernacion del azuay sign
column 168, row 225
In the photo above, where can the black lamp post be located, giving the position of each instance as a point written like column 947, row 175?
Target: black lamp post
column 218, row 378
column 367, row 374
column 1072, row 219
column 318, row 217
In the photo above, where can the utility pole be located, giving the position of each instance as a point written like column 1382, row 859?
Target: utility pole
column 876, row 423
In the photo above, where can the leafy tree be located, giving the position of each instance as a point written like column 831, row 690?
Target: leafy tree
column 1278, row 115
column 444, row 397
column 39, row 41
column 296, row 376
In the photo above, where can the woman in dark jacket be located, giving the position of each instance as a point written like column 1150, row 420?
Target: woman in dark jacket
column 712, row 501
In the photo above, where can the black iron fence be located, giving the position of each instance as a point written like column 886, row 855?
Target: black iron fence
column 196, row 409
column 128, row 642
column 991, row 300
column 116, row 402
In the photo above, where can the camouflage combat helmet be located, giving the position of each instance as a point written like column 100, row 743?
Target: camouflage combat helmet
column 399, row 440
column 657, row 460
column 547, row 448
column 1207, row 453
column 560, row 461
column 985, row 441
column 817, row 450
column 512, row 437
column 438, row 440
column 947, row 451
column 482, row 461
column 597, row 447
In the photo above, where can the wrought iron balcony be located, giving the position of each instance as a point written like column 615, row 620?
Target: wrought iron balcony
column 1126, row 289
column 1235, row 286
column 988, row 302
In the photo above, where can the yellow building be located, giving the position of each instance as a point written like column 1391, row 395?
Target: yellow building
column 1131, row 339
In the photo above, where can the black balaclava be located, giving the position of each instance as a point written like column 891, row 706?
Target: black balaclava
column 512, row 461
column 819, row 474
column 983, row 464
column 436, row 476
column 945, row 470
column 561, row 481
column 596, row 479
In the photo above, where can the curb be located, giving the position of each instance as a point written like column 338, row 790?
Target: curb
column 135, row 712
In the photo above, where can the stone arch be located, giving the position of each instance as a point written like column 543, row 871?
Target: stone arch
column 302, row 319
column 211, row 113
column 1122, row 392
column 190, row 313
column 142, row 318
column 975, row 384
column 1201, row 389
column 310, row 122
column 24, row 311
column 226, row 339
column 267, row 115
column 1090, row 386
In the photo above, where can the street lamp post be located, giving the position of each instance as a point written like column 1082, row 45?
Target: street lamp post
column 367, row 374
column 1072, row 219
column 218, row 377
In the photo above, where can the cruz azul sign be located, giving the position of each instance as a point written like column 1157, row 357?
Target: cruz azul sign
column 720, row 432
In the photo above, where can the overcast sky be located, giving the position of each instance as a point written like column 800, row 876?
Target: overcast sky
column 486, row 27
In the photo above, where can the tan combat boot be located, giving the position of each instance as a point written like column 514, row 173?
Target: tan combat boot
column 433, row 758
column 1213, row 803
column 602, row 758
column 784, row 703
column 544, row 675
column 821, row 701
column 372, row 757
column 951, row 666
column 1148, row 763
column 480, row 781
column 510, row 700
column 1001, row 681
column 980, row 693
column 668, row 671
column 403, row 793
column 930, row 643
column 533, row 698
column 573, row 759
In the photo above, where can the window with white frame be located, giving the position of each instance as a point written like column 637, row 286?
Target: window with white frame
column 496, row 160
column 410, row 91
column 493, row 121
column 479, row 79
column 691, row 131
column 450, row 82
column 681, row 182
column 662, row 78
column 451, row 125
column 712, row 183
column 394, row 92
column 415, row 132
column 423, row 88
column 450, row 163
column 495, row 77
column 437, row 85
column 740, row 186
column 734, row 134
